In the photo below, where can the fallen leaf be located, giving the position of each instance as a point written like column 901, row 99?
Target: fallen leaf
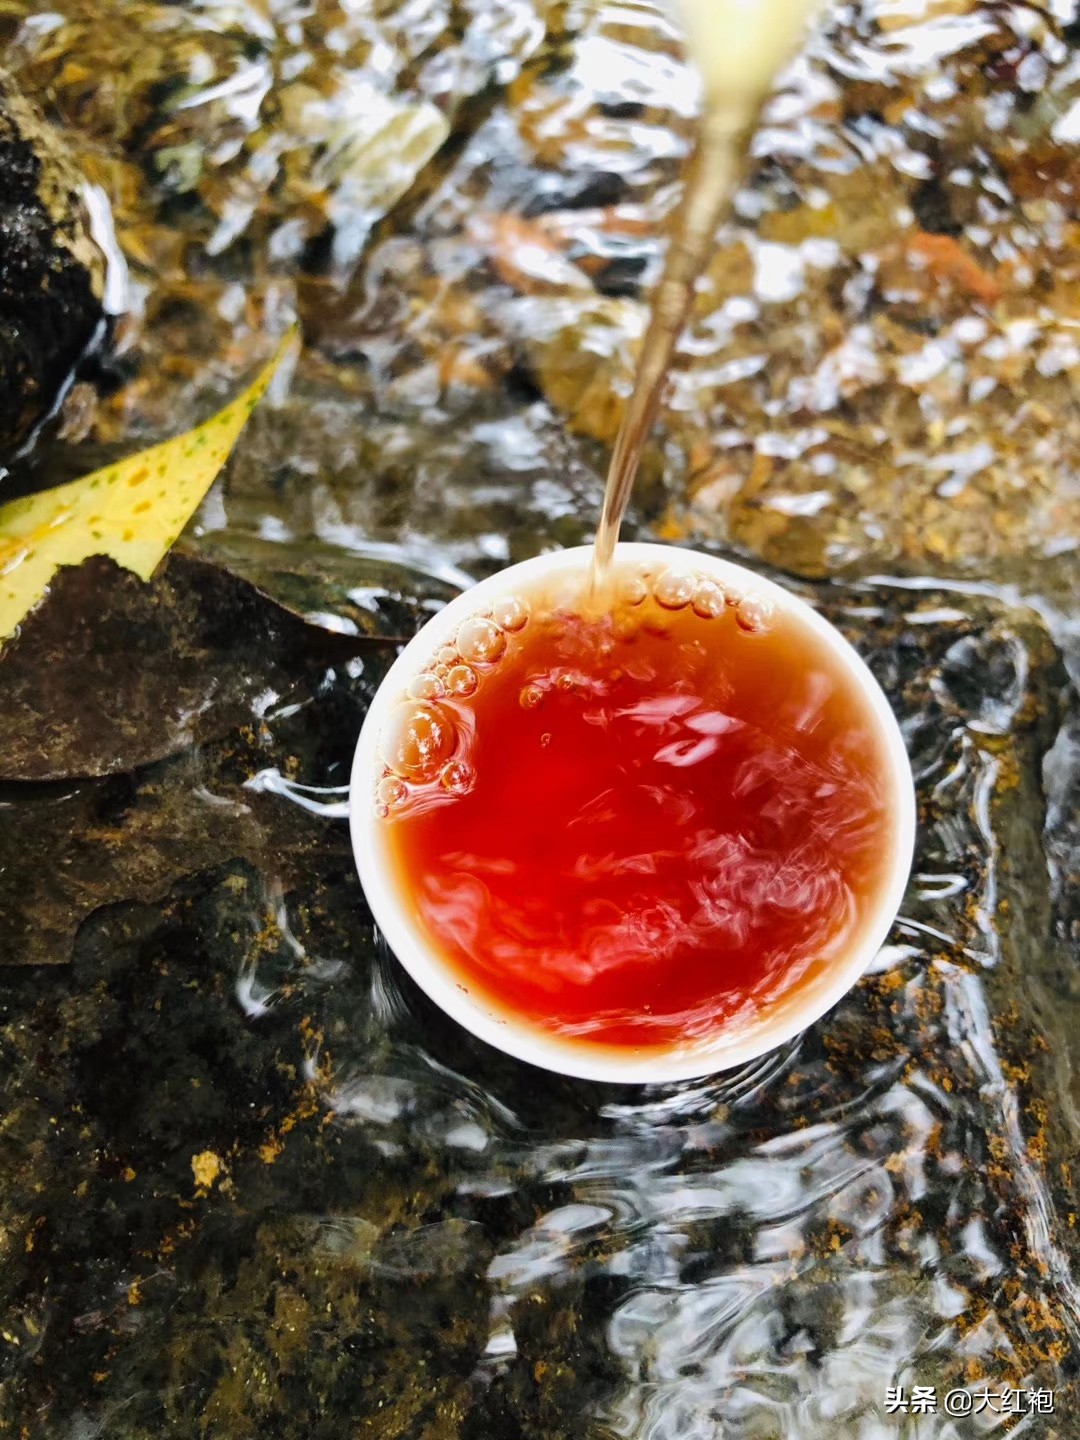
column 132, row 511
column 525, row 256
column 948, row 261
column 115, row 673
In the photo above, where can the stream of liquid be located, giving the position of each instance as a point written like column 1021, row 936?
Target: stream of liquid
column 714, row 169
column 739, row 45
column 680, row 852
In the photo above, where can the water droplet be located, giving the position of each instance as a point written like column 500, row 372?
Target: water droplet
column 545, row 739
column 674, row 589
column 531, row 696
column 710, row 598
column 633, row 590
column 457, row 778
column 425, row 687
column 510, row 613
column 417, row 740
column 392, row 791
column 481, row 641
column 462, row 680
column 755, row 612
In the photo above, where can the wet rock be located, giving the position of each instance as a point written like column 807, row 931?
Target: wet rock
column 52, row 272
column 254, row 1181
column 241, row 155
column 66, row 852
column 114, row 673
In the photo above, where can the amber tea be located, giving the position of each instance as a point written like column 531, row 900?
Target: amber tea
column 634, row 824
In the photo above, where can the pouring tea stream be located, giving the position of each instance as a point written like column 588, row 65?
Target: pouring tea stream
column 738, row 45
column 428, row 735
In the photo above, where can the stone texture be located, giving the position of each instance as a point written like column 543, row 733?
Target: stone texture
column 52, row 273
column 252, row 1180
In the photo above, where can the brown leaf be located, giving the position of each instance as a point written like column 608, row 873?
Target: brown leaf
column 525, row 256
column 112, row 673
column 949, row 262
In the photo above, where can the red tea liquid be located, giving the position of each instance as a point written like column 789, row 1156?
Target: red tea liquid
column 636, row 827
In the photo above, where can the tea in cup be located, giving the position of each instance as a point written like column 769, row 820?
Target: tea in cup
column 638, row 840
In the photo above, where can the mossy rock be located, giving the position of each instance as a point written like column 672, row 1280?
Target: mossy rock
column 52, row 271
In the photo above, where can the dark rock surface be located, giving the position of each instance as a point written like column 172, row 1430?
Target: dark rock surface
column 52, row 273
column 254, row 1183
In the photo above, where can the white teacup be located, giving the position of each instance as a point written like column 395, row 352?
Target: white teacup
column 778, row 1019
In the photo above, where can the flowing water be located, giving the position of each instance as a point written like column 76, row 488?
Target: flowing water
column 252, row 1183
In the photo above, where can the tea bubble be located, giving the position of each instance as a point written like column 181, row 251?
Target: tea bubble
column 457, row 778
column 531, row 696
column 427, row 686
column 447, row 655
column 710, row 599
column 480, row 641
column 510, row 613
column 391, row 791
column 462, row 680
column 417, row 740
column 755, row 612
column 674, row 589
column 633, row 590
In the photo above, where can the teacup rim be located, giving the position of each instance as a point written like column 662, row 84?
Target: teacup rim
column 515, row 1035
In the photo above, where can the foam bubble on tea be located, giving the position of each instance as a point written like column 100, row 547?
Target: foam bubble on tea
column 641, row 824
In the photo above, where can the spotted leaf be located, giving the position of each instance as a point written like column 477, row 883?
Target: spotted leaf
column 132, row 511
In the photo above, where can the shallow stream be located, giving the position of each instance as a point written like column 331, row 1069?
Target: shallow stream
column 251, row 1183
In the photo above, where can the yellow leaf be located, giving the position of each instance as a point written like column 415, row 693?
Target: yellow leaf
column 133, row 511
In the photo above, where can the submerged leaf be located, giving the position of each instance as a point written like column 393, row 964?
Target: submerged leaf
column 379, row 596
column 132, row 511
column 116, row 673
